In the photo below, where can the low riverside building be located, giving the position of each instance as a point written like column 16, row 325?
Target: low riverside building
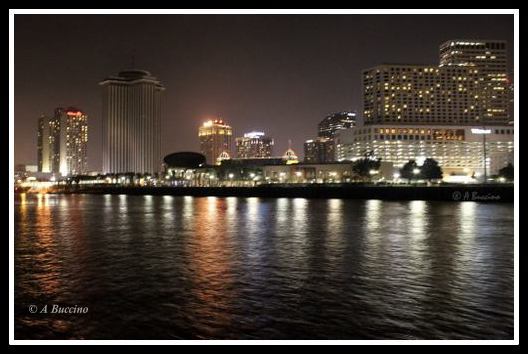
column 337, row 172
column 459, row 150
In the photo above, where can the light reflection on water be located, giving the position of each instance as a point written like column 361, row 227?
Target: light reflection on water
column 183, row 267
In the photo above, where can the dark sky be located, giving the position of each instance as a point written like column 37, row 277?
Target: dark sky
column 281, row 73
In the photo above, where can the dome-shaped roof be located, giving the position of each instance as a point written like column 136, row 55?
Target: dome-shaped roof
column 290, row 155
column 184, row 159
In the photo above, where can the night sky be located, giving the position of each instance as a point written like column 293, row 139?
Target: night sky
column 281, row 74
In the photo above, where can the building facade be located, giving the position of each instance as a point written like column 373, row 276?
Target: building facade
column 458, row 149
column 254, row 145
column 132, row 122
column 215, row 140
column 319, row 150
column 413, row 94
column 489, row 57
column 62, row 142
column 335, row 122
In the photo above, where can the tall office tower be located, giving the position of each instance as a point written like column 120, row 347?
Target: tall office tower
column 254, row 145
column 319, row 150
column 62, row 142
column 489, row 57
column 215, row 140
column 43, row 145
column 132, row 122
column 421, row 95
column 334, row 122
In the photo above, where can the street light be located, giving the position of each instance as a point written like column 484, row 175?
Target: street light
column 483, row 132
column 416, row 171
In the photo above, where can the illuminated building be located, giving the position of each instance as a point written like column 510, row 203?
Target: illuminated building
column 215, row 140
column 290, row 157
column 334, row 122
column 319, row 150
column 421, row 95
column 490, row 58
column 458, row 149
column 132, row 122
column 62, row 142
column 254, row 145
column 469, row 87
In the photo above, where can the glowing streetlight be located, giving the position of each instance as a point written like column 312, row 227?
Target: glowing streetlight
column 416, row 171
column 231, row 176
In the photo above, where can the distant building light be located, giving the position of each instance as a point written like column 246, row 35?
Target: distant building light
column 254, row 134
column 480, row 131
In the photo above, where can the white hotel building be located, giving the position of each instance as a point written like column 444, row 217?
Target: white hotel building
column 458, row 149
column 438, row 111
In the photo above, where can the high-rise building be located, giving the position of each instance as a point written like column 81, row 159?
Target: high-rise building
column 489, row 57
column 469, row 87
column 62, row 142
column 132, row 122
column 334, row 122
column 254, row 145
column 43, row 144
column 420, row 94
column 215, row 140
column 319, row 150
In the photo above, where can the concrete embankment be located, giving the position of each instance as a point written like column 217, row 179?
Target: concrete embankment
column 457, row 193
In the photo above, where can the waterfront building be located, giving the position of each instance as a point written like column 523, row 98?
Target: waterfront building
column 62, row 142
column 254, row 145
column 215, row 140
column 489, row 57
column 319, row 150
column 459, row 149
column 337, row 172
column 335, row 122
column 469, row 86
column 132, row 122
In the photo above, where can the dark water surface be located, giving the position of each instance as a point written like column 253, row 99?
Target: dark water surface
column 250, row 268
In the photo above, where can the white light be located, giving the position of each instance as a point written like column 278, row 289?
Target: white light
column 231, row 175
column 252, row 175
column 396, row 175
column 254, row 135
column 298, row 173
column 373, row 172
column 480, row 131
column 416, row 171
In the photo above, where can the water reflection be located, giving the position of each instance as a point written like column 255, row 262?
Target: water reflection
column 186, row 267
column 210, row 265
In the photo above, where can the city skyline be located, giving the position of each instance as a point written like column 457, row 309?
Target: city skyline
column 288, row 107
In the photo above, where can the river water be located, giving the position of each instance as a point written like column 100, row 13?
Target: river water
column 164, row 267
